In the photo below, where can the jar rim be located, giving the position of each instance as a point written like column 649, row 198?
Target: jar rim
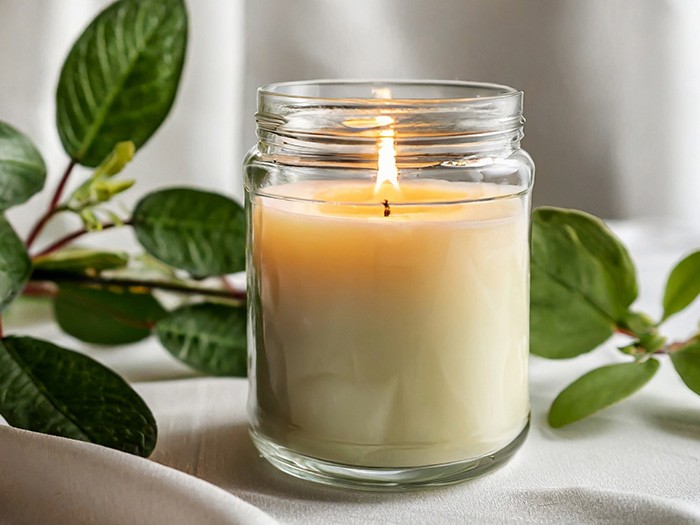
column 301, row 91
column 345, row 118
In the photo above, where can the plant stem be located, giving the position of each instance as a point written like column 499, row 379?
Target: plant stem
column 1, row 332
column 61, row 185
column 60, row 243
column 39, row 226
column 39, row 289
column 41, row 223
column 624, row 331
column 227, row 284
column 106, row 282
column 678, row 345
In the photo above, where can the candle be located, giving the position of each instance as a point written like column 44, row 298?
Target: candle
column 396, row 340
column 389, row 313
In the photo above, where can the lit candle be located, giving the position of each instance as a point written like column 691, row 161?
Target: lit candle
column 393, row 317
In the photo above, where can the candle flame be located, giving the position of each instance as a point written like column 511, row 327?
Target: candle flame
column 386, row 153
column 386, row 171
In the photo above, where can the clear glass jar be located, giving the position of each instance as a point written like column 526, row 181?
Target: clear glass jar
column 388, row 280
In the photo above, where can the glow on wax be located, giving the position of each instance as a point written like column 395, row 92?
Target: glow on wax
column 396, row 340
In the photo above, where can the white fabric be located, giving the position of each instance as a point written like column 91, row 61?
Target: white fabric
column 612, row 106
column 610, row 85
column 198, row 145
column 635, row 463
column 44, row 479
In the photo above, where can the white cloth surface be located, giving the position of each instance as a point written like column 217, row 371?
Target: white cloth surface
column 612, row 110
column 44, row 479
column 610, row 85
column 637, row 462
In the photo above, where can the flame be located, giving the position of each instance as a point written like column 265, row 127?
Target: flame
column 386, row 165
column 386, row 171
column 386, row 151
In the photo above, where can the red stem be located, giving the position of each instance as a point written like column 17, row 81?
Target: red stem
column 60, row 243
column 625, row 331
column 39, row 289
column 674, row 347
column 1, row 332
column 41, row 223
column 38, row 227
column 61, row 185
column 241, row 296
column 227, row 284
column 234, row 292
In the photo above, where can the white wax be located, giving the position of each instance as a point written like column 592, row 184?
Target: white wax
column 392, row 341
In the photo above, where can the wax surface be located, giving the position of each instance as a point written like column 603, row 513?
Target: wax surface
column 391, row 341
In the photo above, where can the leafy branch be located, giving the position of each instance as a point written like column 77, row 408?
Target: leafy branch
column 69, row 238
column 51, row 211
column 583, row 283
column 105, row 282
column 112, row 96
column 116, row 87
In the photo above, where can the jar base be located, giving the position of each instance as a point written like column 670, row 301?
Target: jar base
column 382, row 478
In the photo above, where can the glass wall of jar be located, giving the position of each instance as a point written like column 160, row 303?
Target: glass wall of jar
column 388, row 280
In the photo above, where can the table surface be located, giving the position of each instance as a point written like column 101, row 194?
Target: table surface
column 637, row 462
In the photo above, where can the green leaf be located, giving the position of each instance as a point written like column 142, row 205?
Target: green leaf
column 120, row 78
column 106, row 316
column 49, row 389
column 98, row 188
column 639, row 323
column 81, row 260
column 687, row 364
column 208, row 337
column 90, row 220
column 197, row 231
column 122, row 153
column 105, row 190
column 15, row 266
column 683, row 285
column 599, row 389
column 582, row 283
column 22, row 170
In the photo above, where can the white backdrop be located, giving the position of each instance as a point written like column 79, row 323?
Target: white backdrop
column 612, row 87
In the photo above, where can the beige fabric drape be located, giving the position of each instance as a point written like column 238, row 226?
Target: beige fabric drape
column 612, row 86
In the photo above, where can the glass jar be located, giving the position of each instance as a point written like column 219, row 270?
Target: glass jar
column 388, row 280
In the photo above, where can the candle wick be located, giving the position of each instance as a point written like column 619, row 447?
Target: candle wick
column 387, row 209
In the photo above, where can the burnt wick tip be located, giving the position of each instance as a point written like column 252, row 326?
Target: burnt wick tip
column 387, row 209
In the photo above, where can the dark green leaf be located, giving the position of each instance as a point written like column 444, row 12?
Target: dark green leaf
column 22, row 170
column 687, row 364
column 599, row 389
column 197, row 231
column 49, row 389
column 81, row 260
column 15, row 266
column 120, row 78
column 683, row 285
column 106, row 317
column 582, row 283
column 208, row 337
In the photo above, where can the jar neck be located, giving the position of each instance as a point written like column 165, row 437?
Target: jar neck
column 460, row 123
